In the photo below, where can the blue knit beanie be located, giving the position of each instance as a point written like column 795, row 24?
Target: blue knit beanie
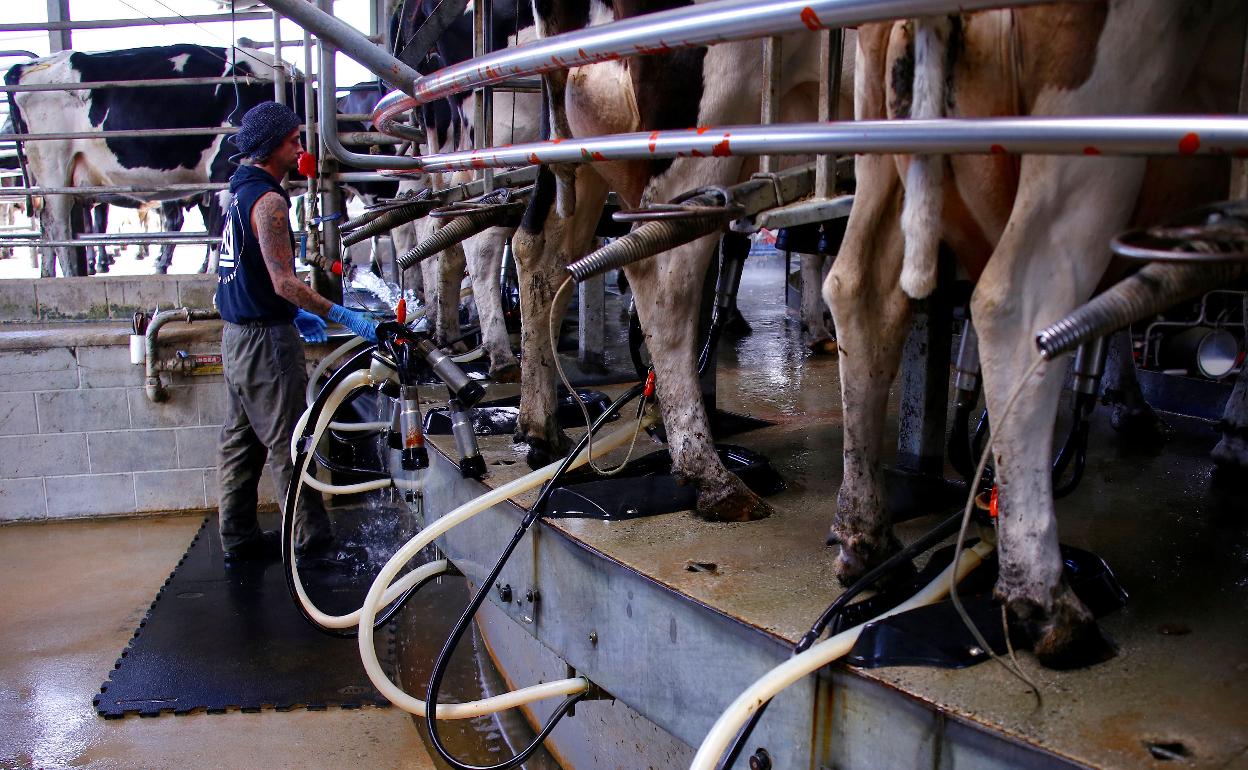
column 263, row 129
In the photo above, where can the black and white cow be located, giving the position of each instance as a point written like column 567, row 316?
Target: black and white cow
column 146, row 162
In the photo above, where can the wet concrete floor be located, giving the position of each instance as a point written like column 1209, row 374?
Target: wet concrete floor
column 1178, row 690
column 73, row 594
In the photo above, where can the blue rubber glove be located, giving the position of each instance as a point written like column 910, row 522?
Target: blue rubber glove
column 357, row 322
column 311, row 327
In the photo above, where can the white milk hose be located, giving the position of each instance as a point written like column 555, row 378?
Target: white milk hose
column 770, row 684
column 378, row 593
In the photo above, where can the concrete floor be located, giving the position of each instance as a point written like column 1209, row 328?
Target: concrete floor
column 73, row 594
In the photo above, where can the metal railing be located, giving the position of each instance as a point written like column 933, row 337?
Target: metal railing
column 52, row 26
column 730, row 20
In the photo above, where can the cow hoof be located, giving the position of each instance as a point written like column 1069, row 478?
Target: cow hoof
column 1139, row 423
column 1231, row 453
column 542, row 453
column 1067, row 637
column 735, row 503
column 823, row 347
column 859, row 555
column 508, row 373
column 736, row 326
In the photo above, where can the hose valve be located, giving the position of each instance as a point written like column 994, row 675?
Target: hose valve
column 471, row 463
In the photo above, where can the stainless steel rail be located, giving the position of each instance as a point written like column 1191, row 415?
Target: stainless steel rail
column 1162, row 135
column 345, row 37
column 159, row 21
column 242, row 80
column 685, row 27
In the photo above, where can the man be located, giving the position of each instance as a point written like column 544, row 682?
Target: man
column 262, row 302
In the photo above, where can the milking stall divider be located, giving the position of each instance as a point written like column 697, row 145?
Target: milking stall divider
column 717, row 653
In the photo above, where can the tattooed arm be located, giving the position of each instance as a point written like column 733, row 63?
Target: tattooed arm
column 270, row 219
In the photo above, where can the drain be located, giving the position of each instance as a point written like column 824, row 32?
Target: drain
column 1168, row 751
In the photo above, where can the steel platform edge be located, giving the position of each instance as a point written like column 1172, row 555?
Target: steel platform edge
column 672, row 664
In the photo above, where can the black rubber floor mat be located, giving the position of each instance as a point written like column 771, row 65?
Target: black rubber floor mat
column 221, row 639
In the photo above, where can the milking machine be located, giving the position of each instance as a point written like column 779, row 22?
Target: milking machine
column 395, row 366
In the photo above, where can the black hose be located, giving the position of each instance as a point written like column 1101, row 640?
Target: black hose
column 292, row 499
column 448, row 649
column 941, row 531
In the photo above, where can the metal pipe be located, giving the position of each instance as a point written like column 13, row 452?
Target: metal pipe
column 344, row 37
column 1157, row 135
column 159, row 21
column 685, row 27
column 126, row 134
column 329, row 128
column 243, row 80
column 15, row 52
column 32, row 241
column 279, row 65
column 1152, row 289
column 152, row 385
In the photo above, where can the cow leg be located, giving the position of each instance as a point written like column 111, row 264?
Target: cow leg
column 872, row 317
column 815, row 320
column 61, row 220
column 1039, row 273
column 668, row 290
column 449, row 277
column 1231, row 453
column 484, row 254
column 171, row 220
column 213, row 213
column 1132, row 416
column 543, row 245
column 98, row 215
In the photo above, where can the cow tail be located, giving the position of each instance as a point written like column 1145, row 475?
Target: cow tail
column 921, row 212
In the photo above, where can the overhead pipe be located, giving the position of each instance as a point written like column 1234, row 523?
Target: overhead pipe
column 346, row 38
column 152, row 385
column 1155, row 135
column 329, row 126
column 686, row 27
column 1155, row 287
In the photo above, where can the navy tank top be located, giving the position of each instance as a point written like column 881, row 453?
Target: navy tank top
column 245, row 293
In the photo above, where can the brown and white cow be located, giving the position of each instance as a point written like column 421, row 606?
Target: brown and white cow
column 719, row 85
column 1032, row 230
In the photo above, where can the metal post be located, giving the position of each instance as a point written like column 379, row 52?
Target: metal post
column 59, row 39
column 1239, row 166
column 925, row 380
column 592, row 319
column 279, row 64
column 831, row 43
column 773, row 49
column 483, row 112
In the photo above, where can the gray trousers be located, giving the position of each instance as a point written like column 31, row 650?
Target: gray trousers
column 265, row 379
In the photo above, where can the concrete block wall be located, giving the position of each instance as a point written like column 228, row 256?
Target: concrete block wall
column 78, row 436
column 100, row 297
